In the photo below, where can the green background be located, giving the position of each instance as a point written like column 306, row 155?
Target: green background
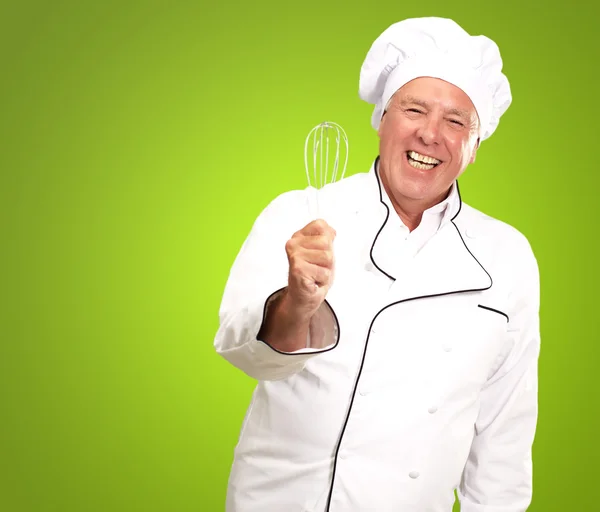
column 139, row 141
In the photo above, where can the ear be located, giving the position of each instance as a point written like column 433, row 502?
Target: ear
column 381, row 124
column 474, row 153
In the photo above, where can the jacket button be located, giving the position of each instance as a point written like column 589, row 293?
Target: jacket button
column 432, row 410
column 414, row 474
column 447, row 348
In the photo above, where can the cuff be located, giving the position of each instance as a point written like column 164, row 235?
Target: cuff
column 323, row 330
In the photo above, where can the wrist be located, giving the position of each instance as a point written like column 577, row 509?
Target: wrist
column 294, row 315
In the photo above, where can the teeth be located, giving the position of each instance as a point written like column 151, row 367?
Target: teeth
column 419, row 165
column 423, row 158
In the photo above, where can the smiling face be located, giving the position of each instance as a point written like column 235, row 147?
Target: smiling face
column 428, row 136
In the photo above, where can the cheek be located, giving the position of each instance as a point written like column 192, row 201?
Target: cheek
column 387, row 143
column 392, row 138
column 462, row 149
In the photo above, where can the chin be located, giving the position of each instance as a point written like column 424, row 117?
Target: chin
column 414, row 192
column 416, row 187
column 417, row 182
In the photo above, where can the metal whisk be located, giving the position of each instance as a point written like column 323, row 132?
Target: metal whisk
column 326, row 144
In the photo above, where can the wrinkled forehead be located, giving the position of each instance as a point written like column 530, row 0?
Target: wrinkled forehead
column 435, row 93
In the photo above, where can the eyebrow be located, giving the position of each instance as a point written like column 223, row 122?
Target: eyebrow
column 416, row 101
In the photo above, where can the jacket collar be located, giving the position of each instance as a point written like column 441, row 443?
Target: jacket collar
column 445, row 265
column 448, row 208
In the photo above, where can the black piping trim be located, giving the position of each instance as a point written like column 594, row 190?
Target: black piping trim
column 478, row 262
column 459, row 206
column 337, row 323
column 495, row 311
column 387, row 216
column 339, row 443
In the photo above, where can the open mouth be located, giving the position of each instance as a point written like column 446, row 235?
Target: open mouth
column 422, row 162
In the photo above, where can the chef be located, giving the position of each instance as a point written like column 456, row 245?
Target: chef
column 395, row 340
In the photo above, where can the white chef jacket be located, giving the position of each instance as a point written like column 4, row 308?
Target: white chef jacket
column 420, row 378
column 403, row 244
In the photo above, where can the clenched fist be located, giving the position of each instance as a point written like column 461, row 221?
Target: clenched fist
column 311, row 266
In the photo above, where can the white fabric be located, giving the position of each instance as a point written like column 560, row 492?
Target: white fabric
column 404, row 244
column 443, row 391
column 438, row 48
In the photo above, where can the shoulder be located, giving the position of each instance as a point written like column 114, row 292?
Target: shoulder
column 347, row 189
column 502, row 245
column 480, row 225
column 351, row 186
column 335, row 200
column 349, row 194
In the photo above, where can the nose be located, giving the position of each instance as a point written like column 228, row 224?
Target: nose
column 429, row 131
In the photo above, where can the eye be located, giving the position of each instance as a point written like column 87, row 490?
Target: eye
column 415, row 110
column 456, row 122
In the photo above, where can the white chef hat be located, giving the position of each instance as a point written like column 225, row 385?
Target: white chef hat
column 438, row 48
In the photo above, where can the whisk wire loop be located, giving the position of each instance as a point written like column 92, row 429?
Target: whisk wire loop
column 322, row 136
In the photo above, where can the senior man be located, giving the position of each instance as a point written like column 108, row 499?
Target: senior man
column 395, row 341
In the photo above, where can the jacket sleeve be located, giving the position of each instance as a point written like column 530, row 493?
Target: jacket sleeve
column 258, row 274
column 498, row 473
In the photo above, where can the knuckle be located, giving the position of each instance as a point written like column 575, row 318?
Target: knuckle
column 296, row 261
column 291, row 246
column 299, row 233
column 293, row 260
column 309, row 227
column 322, row 225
